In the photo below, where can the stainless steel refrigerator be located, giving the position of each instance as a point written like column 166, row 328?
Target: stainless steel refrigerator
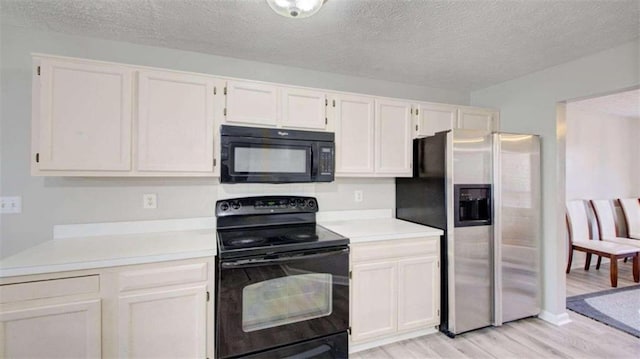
column 483, row 190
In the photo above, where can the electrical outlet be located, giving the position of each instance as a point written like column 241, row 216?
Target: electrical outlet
column 149, row 201
column 358, row 196
column 11, row 204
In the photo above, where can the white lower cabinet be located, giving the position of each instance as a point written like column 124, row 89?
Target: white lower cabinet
column 61, row 330
column 165, row 322
column 418, row 292
column 395, row 290
column 51, row 318
column 159, row 310
column 374, row 300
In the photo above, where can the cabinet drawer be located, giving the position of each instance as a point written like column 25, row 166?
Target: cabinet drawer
column 157, row 277
column 394, row 248
column 49, row 288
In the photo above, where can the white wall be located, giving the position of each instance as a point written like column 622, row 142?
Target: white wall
column 49, row 201
column 528, row 104
column 602, row 155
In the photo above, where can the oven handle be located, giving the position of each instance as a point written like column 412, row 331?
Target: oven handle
column 253, row 262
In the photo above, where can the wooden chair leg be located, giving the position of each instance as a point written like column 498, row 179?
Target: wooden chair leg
column 636, row 268
column 587, row 262
column 598, row 262
column 614, row 270
column 570, row 260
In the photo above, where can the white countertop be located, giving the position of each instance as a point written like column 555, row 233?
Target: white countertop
column 365, row 229
column 100, row 245
column 79, row 252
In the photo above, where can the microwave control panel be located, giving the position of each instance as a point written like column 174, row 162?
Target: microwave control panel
column 325, row 164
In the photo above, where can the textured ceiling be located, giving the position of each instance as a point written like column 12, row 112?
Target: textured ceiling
column 624, row 104
column 459, row 45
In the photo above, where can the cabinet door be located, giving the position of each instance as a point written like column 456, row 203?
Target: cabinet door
column 251, row 103
column 434, row 118
column 84, row 116
column 418, row 293
column 393, row 138
column 355, row 124
column 164, row 322
column 67, row 330
column 303, row 109
column 477, row 119
column 175, row 122
column 374, row 300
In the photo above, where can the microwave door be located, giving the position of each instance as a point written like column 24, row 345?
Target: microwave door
column 261, row 161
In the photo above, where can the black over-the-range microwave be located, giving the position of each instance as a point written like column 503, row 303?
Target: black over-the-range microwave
column 265, row 155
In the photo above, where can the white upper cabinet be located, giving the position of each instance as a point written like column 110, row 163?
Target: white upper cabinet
column 303, row 109
column 92, row 118
column 472, row 118
column 175, row 122
column 257, row 104
column 432, row 118
column 355, row 129
column 251, row 103
column 83, row 119
column 393, row 140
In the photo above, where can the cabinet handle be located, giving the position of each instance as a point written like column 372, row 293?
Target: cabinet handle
column 416, row 127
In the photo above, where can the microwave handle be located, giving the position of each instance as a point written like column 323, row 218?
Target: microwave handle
column 254, row 262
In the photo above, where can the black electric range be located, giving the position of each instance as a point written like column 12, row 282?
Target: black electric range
column 282, row 281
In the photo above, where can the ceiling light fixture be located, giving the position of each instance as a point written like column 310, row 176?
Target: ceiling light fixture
column 296, row 9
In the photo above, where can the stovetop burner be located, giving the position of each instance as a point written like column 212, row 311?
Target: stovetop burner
column 246, row 241
column 301, row 236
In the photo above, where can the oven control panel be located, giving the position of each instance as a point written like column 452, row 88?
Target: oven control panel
column 266, row 205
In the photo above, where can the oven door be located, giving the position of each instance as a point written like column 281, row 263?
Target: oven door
column 267, row 302
column 266, row 160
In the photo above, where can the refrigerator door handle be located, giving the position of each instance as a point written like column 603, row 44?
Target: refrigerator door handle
column 497, row 229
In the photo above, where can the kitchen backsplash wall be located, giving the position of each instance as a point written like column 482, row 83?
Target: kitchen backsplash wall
column 47, row 201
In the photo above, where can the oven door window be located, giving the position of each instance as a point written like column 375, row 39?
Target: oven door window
column 271, row 159
column 286, row 300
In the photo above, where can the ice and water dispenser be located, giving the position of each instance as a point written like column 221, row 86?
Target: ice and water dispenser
column 472, row 204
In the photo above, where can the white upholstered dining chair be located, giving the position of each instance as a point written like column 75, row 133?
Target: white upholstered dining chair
column 580, row 239
column 631, row 211
column 607, row 229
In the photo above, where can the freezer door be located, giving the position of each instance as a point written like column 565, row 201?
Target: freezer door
column 470, row 249
column 516, row 226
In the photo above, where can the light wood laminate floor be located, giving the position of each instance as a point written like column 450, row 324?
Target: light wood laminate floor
column 532, row 337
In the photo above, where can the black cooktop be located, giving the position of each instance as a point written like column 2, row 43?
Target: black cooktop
column 276, row 239
column 271, row 224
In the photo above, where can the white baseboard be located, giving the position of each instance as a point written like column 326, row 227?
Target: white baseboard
column 555, row 319
column 353, row 348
